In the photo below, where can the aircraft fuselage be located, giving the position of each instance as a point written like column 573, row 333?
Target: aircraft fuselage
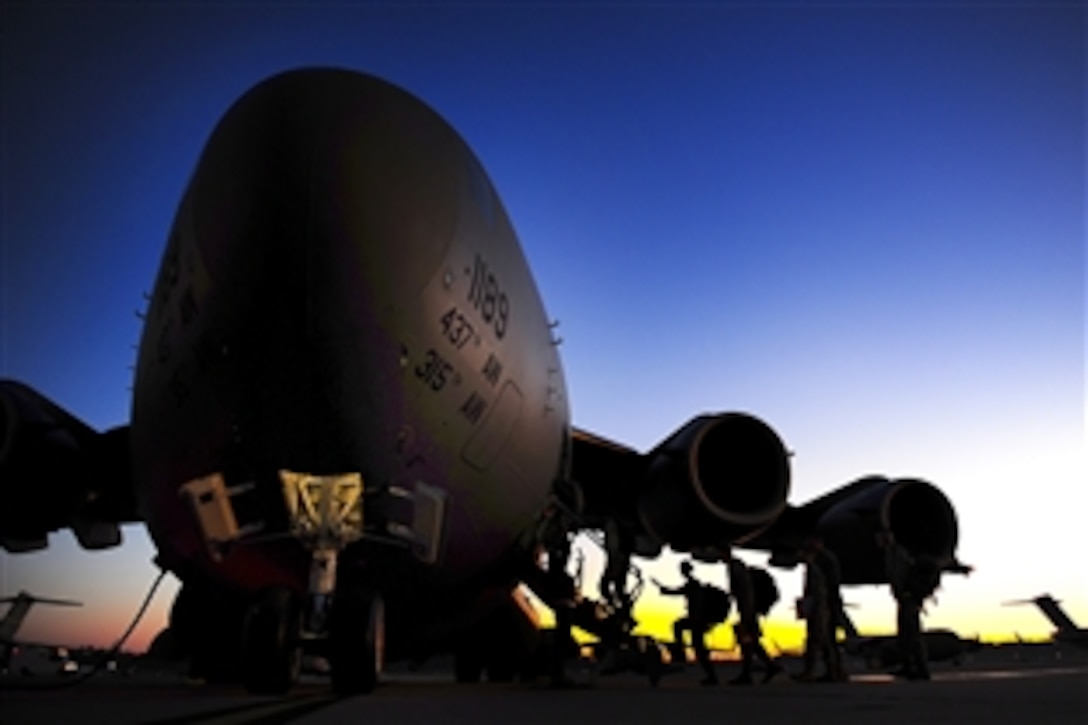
column 342, row 292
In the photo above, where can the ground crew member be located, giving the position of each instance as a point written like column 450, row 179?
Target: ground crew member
column 813, row 606
column 747, row 629
column 613, row 583
column 902, row 570
column 553, row 536
column 836, row 613
column 695, row 622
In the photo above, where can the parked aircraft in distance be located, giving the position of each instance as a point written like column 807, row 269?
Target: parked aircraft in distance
column 13, row 619
column 1067, row 631
column 350, row 429
column 882, row 651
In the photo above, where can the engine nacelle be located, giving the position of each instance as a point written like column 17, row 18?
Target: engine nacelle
column 56, row 471
column 717, row 479
column 919, row 515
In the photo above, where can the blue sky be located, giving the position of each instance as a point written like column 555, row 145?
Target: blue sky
column 863, row 223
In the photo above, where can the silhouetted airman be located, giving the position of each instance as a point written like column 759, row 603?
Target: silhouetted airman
column 553, row 535
column 613, row 584
column 747, row 629
column 836, row 614
column 913, row 579
column 695, row 622
column 814, row 607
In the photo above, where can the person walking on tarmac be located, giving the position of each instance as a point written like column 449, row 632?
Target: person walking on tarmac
column 813, row 607
column 553, row 537
column 836, row 612
column 695, row 622
column 613, row 584
column 913, row 580
column 747, row 629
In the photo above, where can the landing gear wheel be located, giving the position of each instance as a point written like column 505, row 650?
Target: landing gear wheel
column 356, row 640
column 505, row 645
column 468, row 664
column 271, row 657
column 207, row 624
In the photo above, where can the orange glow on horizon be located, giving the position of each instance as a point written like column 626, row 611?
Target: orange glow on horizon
column 99, row 627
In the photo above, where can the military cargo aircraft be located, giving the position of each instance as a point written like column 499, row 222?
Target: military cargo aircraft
column 20, row 605
column 882, row 651
column 1067, row 631
column 350, row 430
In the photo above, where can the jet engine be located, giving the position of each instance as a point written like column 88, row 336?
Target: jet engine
column 717, row 479
column 56, row 471
column 919, row 515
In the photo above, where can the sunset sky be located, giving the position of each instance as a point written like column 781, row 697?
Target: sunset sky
column 862, row 222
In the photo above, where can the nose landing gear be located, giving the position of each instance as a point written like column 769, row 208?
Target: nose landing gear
column 341, row 615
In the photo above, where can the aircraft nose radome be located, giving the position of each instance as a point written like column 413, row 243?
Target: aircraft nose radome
column 341, row 189
column 324, row 202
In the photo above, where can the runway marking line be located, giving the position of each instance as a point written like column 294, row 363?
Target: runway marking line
column 978, row 675
column 265, row 713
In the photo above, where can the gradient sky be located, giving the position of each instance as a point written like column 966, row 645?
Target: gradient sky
column 864, row 223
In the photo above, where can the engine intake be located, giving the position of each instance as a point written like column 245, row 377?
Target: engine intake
column 717, row 479
column 919, row 515
column 56, row 471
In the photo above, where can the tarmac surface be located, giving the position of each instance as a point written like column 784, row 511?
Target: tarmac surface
column 985, row 690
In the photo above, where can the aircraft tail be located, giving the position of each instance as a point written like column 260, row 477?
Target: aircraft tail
column 11, row 622
column 847, row 624
column 20, row 605
column 853, row 642
column 1053, row 611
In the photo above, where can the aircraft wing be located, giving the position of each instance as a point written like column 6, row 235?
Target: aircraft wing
column 56, row 472
column 723, row 479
